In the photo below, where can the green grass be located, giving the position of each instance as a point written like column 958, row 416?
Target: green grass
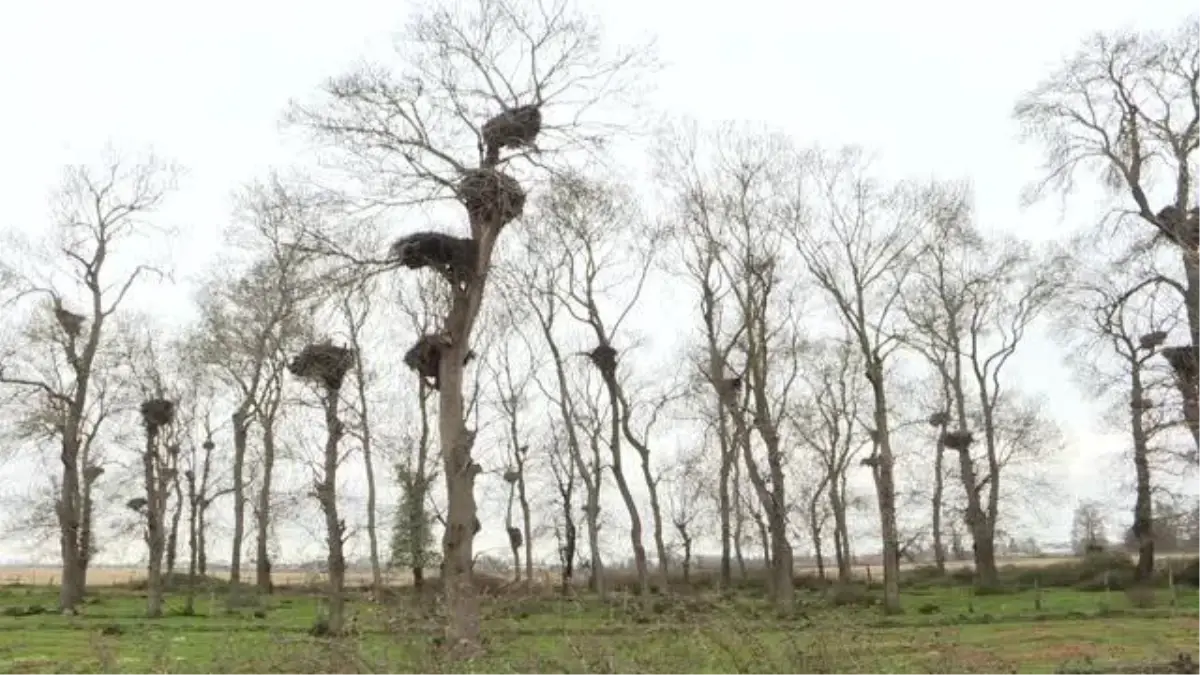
column 942, row 630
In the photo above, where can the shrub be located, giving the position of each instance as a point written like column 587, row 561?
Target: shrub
column 844, row 595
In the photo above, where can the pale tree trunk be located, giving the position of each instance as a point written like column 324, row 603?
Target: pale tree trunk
column 618, row 472
column 886, row 488
column 241, row 432
column 939, row 547
column 326, row 493
column 355, row 324
column 527, row 526
column 173, row 534
column 643, row 451
column 841, row 544
column 154, row 524
column 262, row 563
column 193, row 542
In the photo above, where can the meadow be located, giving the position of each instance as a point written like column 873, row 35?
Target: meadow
column 1095, row 623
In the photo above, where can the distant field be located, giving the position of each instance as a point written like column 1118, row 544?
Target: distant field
column 111, row 576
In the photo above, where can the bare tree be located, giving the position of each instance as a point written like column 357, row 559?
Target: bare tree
column 1131, row 323
column 247, row 326
column 601, row 240
column 564, row 470
column 97, row 210
column 970, row 305
column 356, row 310
column 326, row 365
column 828, row 427
column 1127, row 106
column 685, row 487
column 407, row 136
column 513, row 377
column 861, row 258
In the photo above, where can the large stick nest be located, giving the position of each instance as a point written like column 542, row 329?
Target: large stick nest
column 1184, row 226
column 425, row 356
column 958, row 440
column 514, row 537
column 158, row 412
column 72, row 324
column 1141, row 404
column 604, row 357
column 1183, row 361
column 453, row 257
column 513, row 128
column 323, row 362
column 491, row 196
column 1152, row 340
column 729, row 387
column 511, row 476
column 939, row 419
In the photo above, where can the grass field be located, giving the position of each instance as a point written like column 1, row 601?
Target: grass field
column 945, row 629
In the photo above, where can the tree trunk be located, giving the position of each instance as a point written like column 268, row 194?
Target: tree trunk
column 154, row 526
column 193, row 544
column 173, row 534
column 939, row 548
column 886, row 489
column 241, row 425
column 837, row 502
column 463, row 621
column 1187, row 379
column 70, row 593
column 369, row 466
column 334, row 530
column 202, row 539
column 660, row 545
column 262, row 563
column 635, row 519
column 1143, row 510
column 527, row 526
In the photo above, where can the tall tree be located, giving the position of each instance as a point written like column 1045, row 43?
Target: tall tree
column 859, row 247
column 1127, row 105
column 410, row 134
column 97, row 212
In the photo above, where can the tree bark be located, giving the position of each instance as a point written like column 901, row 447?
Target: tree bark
column 262, row 563
column 155, row 508
column 1143, row 510
column 241, row 424
column 326, row 493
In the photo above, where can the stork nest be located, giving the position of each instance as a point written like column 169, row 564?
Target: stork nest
column 1141, row 404
column 158, row 412
column 604, row 357
column 1183, row 361
column 71, row 323
column 1185, row 227
column 136, row 504
column 323, row 362
column 491, row 196
column 511, row 476
column 729, row 387
column 958, row 440
column 208, row 444
column 91, row 473
column 425, row 356
column 873, row 434
column 514, row 537
column 1152, row 340
column 872, row 461
column 452, row 257
column 512, row 128
column 939, row 419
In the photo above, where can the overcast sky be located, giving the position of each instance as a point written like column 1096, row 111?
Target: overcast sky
column 929, row 84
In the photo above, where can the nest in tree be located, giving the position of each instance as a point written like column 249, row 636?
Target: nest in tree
column 512, row 128
column 1152, row 340
column 324, row 362
column 91, row 473
column 958, row 440
column 72, row 324
column 1185, row 227
column 511, row 476
column 1183, row 361
column 729, row 387
column 514, row 537
column 1141, row 404
column 873, row 434
column 453, row 257
column 872, row 461
column 208, row 444
column 158, row 412
column 136, row 504
column 522, row 449
column 425, row 356
column 603, row 357
column 189, row 474
column 939, row 419
column 491, row 196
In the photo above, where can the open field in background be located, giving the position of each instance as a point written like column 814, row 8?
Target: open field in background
column 1079, row 616
column 111, row 576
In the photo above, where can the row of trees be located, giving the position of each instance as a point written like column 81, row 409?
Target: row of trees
column 849, row 336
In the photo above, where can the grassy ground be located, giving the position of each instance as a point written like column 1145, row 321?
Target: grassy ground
column 943, row 630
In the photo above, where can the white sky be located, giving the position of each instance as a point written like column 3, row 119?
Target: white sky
column 929, row 84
